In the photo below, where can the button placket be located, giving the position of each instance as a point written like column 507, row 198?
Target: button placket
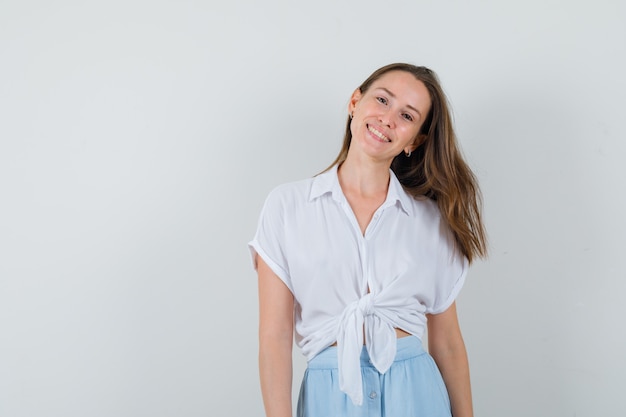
column 372, row 391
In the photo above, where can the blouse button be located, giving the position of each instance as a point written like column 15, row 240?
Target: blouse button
column 373, row 394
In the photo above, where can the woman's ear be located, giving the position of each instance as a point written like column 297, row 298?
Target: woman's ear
column 416, row 143
column 356, row 97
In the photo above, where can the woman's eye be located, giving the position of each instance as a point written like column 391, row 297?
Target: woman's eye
column 408, row 117
column 382, row 100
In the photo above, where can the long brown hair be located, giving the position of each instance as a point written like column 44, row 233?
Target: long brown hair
column 436, row 169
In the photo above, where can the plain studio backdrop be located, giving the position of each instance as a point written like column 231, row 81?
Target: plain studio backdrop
column 138, row 140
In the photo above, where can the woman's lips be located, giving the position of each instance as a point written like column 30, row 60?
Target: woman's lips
column 378, row 134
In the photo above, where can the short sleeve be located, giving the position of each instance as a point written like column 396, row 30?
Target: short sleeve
column 450, row 271
column 269, row 240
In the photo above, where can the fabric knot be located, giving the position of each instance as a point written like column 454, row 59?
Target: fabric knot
column 363, row 320
column 365, row 305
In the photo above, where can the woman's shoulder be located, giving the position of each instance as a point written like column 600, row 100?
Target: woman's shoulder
column 290, row 192
column 430, row 222
column 425, row 208
column 293, row 188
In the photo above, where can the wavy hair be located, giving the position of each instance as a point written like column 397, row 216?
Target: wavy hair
column 436, row 169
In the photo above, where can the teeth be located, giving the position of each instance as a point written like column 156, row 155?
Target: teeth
column 377, row 133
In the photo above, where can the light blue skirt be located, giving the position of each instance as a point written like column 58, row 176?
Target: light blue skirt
column 412, row 387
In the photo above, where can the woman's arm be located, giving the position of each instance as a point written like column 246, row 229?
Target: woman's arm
column 446, row 346
column 275, row 342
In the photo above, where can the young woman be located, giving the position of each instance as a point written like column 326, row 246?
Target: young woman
column 360, row 259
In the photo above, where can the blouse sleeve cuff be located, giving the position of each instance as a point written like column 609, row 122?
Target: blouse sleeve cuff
column 256, row 249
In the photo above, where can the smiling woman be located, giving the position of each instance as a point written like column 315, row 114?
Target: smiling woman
column 436, row 170
column 368, row 254
column 387, row 117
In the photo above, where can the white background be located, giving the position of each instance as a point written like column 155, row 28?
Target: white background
column 138, row 140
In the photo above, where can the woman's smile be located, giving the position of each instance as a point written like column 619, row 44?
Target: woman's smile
column 380, row 136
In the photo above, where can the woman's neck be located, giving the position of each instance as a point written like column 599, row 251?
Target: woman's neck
column 362, row 178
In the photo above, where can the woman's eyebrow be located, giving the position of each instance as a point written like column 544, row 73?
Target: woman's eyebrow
column 394, row 96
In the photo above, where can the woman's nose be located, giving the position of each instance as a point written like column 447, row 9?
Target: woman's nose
column 386, row 118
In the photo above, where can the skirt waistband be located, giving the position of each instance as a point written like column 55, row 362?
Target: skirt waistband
column 406, row 348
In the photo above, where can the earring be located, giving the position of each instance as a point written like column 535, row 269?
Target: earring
column 351, row 115
column 408, row 154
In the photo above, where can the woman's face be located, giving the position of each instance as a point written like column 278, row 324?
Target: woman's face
column 387, row 117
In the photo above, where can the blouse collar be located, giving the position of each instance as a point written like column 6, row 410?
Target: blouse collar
column 328, row 183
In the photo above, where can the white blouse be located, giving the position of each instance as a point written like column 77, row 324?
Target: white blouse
column 344, row 282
